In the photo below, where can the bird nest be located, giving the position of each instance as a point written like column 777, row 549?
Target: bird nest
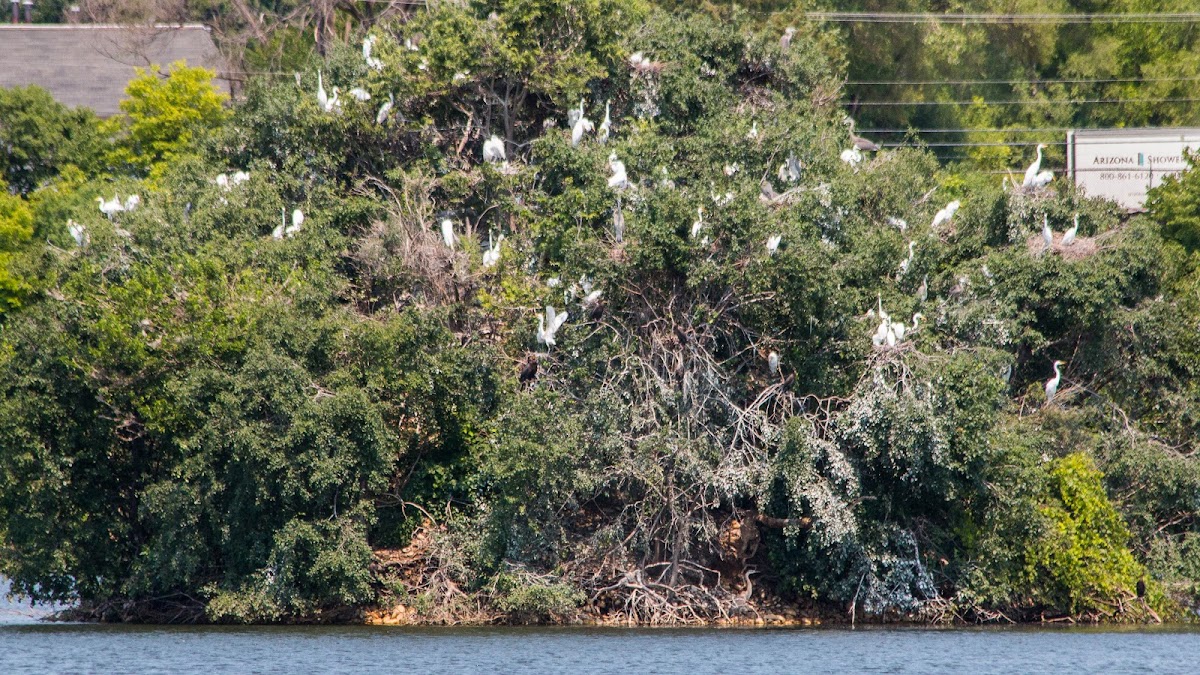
column 1081, row 248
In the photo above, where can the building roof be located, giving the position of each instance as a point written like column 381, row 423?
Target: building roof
column 90, row 64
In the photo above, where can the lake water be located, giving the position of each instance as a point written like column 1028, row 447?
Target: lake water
column 28, row 645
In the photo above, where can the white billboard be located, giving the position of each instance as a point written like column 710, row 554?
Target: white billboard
column 1122, row 164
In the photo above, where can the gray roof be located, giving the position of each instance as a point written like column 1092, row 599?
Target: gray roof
column 90, row 64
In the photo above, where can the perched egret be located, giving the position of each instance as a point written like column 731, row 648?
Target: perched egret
column 240, row 177
column 752, row 135
column 132, row 202
column 606, row 125
column 277, row 233
column 916, row 319
column 698, row 224
column 322, row 97
column 731, row 169
column 636, row 60
column 335, row 103
column 1042, row 179
column 448, row 233
column 898, row 329
column 946, row 215
column 618, row 180
column 789, row 171
column 222, row 181
column 881, row 333
column 548, row 325
column 493, row 150
column 360, row 94
column 773, row 362
column 898, row 223
column 553, row 282
column 852, row 156
column 785, row 42
column 619, row 224
column 1032, row 172
column 890, row 335
column 773, row 243
column 1052, row 384
column 492, row 255
column 111, row 206
column 1047, row 233
column 1069, row 238
column 385, row 110
column 373, row 63
column 904, row 264
column 592, row 298
column 297, row 221
column 580, row 125
column 923, row 289
column 78, row 233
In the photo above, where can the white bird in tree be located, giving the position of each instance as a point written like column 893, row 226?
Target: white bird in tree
column 448, row 233
column 373, row 63
column 1042, row 179
column 1069, row 238
column 1052, row 383
column 493, row 150
column 78, row 233
column 222, row 181
column 322, row 97
column 360, row 94
column 618, row 180
column 773, row 243
column 881, row 333
column 548, row 325
column 132, row 202
column 946, row 215
column 789, row 171
column 1047, row 233
column 773, row 362
column 698, row 224
column 606, row 125
column 111, row 206
column 240, row 177
column 904, row 264
column 297, row 222
column 1032, row 172
column 385, row 110
column 852, row 156
column 898, row 223
column 752, row 135
column 580, row 126
column 492, row 255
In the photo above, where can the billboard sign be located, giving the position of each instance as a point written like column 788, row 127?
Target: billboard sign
column 1122, row 164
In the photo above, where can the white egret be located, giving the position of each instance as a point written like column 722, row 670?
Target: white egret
column 277, row 233
column 493, row 150
column 618, row 180
column 240, row 177
column 785, row 42
column 591, row 298
column 731, row 169
column 923, row 289
column 882, row 314
column 881, row 333
column 1042, row 179
column 553, row 282
column 580, row 126
column 890, row 336
column 789, row 171
column 606, row 125
column 619, row 223
column 385, row 110
column 904, row 264
column 946, row 215
column 335, row 103
column 773, row 362
column 773, row 243
column 1047, row 233
column 322, row 97
column 360, row 94
column 373, row 63
column 222, row 181
column 423, row 65
column 898, row 223
column 132, row 202
column 448, row 233
column 548, row 325
column 78, row 233
column 1052, row 384
column 492, row 255
column 916, row 319
column 1069, row 238
column 111, row 206
column 752, row 135
column 297, row 221
column 852, row 156
column 698, row 224
column 898, row 329
column 1032, row 172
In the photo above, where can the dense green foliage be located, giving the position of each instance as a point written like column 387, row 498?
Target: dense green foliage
column 204, row 414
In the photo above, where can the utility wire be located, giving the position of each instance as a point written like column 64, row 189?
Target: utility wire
column 964, row 83
column 1077, row 101
column 924, row 17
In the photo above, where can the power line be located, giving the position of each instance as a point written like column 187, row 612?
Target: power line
column 957, row 83
column 1077, row 101
column 923, row 17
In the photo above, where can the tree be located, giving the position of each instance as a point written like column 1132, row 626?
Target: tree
column 163, row 116
column 41, row 136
